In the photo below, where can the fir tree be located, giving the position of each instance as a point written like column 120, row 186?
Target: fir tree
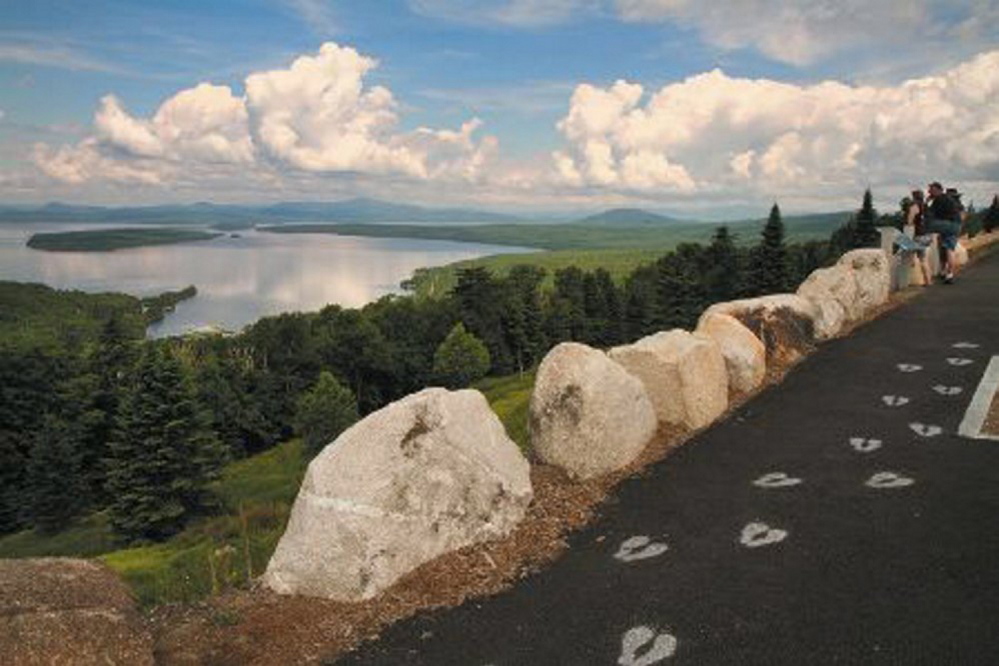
column 523, row 323
column 461, row 359
column 722, row 275
column 162, row 455
column 769, row 273
column 681, row 294
column 324, row 411
column 109, row 365
column 865, row 231
column 990, row 218
column 57, row 490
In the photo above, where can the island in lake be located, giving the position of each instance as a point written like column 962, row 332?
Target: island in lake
column 105, row 240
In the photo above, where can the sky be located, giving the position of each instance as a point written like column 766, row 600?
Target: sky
column 522, row 105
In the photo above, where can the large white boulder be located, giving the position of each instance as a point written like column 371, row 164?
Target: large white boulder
column 588, row 415
column 834, row 292
column 426, row 475
column 684, row 375
column 785, row 323
column 744, row 353
column 872, row 273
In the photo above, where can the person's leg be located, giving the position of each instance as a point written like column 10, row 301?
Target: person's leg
column 924, row 265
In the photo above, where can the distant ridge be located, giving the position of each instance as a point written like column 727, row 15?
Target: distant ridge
column 627, row 217
column 359, row 210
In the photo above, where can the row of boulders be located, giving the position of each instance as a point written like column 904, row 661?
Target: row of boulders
column 436, row 471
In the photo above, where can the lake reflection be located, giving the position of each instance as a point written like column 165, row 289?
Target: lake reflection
column 239, row 279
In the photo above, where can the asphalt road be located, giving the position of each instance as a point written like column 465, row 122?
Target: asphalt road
column 836, row 519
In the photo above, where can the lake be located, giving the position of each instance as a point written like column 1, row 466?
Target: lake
column 239, row 279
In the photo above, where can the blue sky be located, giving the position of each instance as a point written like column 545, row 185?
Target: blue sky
column 539, row 77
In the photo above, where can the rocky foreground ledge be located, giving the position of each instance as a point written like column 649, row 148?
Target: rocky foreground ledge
column 68, row 611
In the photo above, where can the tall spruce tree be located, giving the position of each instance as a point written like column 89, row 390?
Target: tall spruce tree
column 523, row 320
column 722, row 274
column 109, row 364
column 769, row 262
column 990, row 218
column 163, row 453
column 865, row 230
column 681, row 295
column 57, row 490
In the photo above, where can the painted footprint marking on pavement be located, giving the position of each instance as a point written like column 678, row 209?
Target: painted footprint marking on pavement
column 965, row 345
column 639, row 548
column 864, row 445
column 756, row 535
column 776, row 480
column 909, row 367
column 948, row 390
column 638, row 638
column 895, row 400
column 924, row 430
column 959, row 362
column 889, row 480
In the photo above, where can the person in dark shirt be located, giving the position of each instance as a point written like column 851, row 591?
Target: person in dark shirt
column 944, row 219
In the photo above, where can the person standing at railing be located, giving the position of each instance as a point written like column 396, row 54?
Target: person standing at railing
column 944, row 219
column 915, row 228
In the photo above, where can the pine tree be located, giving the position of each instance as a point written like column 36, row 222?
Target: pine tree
column 990, row 219
column 163, row 453
column 57, row 490
column 523, row 324
column 769, row 263
column 461, row 359
column 722, row 272
column 109, row 365
column 681, row 296
column 324, row 411
column 865, row 232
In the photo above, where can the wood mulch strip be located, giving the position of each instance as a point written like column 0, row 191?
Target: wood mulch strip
column 991, row 425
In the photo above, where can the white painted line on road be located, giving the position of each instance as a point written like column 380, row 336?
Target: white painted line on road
column 895, row 400
column 978, row 410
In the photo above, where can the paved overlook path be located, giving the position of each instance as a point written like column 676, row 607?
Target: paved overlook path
column 839, row 567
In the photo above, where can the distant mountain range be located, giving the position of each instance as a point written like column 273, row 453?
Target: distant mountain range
column 349, row 211
column 361, row 211
column 630, row 217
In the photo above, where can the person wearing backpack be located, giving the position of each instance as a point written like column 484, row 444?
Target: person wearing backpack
column 944, row 219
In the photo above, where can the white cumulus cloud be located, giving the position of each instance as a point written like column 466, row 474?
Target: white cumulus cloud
column 798, row 31
column 713, row 132
column 315, row 116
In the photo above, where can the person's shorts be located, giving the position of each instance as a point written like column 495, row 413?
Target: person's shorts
column 924, row 241
column 948, row 232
